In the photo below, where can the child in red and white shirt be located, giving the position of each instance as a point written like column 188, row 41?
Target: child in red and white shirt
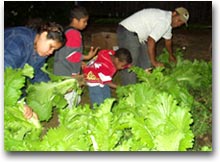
column 99, row 72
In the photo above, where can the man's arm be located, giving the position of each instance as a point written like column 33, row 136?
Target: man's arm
column 168, row 44
column 151, row 44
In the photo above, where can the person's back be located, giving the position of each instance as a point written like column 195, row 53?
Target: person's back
column 18, row 44
column 154, row 22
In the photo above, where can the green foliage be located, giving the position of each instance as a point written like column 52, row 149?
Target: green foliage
column 206, row 148
column 196, row 78
column 157, row 117
column 17, row 129
column 14, row 81
column 51, row 95
column 166, row 111
column 63, row 139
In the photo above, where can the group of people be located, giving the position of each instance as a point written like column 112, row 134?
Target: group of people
column 137, row 38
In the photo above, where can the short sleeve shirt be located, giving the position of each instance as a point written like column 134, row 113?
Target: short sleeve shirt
column 151, row 22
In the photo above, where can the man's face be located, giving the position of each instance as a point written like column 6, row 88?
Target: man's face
column 176, row 21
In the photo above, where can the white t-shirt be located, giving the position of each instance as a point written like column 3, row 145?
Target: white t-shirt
column 151, row 22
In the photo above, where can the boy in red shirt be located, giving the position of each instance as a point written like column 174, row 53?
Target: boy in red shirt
column 99, row 73
column 68, row 60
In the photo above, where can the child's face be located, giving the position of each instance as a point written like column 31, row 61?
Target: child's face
column 81, row 23
column 120, row 65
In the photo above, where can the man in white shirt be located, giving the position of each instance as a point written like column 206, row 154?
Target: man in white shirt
column 140, row 32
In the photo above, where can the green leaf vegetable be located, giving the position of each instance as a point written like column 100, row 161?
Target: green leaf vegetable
column 14, row 81
column 42, row 97
column 17, row 128
column 156, row 114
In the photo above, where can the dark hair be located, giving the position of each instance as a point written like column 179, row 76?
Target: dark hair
column 78, row 12
column 123, row 54
column 55, row 31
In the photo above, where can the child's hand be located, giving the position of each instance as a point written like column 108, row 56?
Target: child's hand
column 93, row 51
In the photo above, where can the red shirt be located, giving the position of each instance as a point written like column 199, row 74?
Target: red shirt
column 74, row 41
column 101, row 70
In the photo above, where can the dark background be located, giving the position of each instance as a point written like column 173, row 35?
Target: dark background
column 19, row 12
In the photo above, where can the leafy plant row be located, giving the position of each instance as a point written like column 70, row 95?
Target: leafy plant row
column 155, row 114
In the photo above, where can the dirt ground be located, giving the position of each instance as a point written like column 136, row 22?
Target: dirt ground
column 197, row 42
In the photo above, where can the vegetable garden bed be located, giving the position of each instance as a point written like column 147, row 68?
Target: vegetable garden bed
column 167, row 110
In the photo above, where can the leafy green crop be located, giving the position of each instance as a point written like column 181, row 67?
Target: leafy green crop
column 42, row 97
column 17, row 129
column 167, row 110
column 14, row 81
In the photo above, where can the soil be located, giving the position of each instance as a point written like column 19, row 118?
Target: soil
column 196, row 43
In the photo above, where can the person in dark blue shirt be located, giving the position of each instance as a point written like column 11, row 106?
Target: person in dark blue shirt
column 32, row 46
column 26, row 45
